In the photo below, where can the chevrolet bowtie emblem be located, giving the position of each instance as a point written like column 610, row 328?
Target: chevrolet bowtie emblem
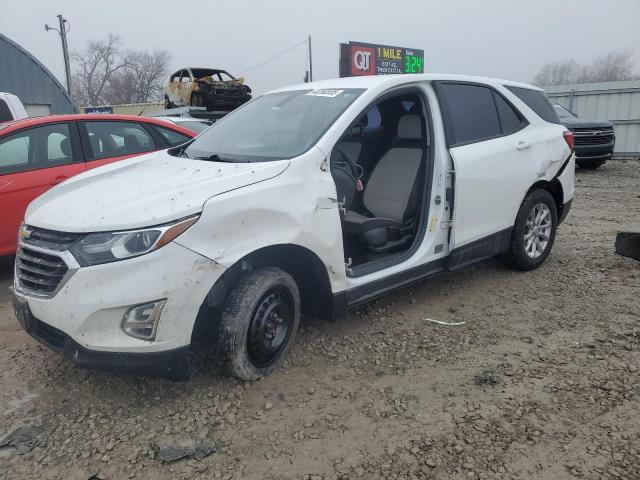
column 24, row 232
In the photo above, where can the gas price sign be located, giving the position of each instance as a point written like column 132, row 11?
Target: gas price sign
column 371, row 59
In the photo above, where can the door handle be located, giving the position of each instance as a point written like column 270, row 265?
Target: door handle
column 523, row 146
column 58, row 179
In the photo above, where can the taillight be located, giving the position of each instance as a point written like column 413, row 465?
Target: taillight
column 568, row 137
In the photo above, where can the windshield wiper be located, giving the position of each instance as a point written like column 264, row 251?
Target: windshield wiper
column 214, row 157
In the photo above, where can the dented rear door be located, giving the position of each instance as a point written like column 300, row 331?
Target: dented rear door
column 495, row 159
column 491, row 179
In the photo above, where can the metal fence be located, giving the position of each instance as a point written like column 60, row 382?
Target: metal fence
column 618, row 102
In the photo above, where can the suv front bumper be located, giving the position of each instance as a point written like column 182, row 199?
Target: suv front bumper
column 83, row 320
column 595, row 152
column 171, row 364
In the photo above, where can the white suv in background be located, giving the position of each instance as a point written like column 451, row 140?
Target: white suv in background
column 314, row 198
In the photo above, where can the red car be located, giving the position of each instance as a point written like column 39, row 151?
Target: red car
column 37, row 153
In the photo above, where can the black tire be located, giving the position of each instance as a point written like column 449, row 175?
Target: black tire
column 517, row 256
column 590, row 165
column 259, row 322
column 167, row 103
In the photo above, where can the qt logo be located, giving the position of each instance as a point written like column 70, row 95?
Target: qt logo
column 363, row 61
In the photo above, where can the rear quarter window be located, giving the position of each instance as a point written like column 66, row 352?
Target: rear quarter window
column 511, row 120
column 537, row 101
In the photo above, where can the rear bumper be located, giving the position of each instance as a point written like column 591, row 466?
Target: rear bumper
column 170, row 364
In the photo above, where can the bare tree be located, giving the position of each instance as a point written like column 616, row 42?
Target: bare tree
column 557, row 73
column 108, row 75
column 610, row 67
column 96, row 66
column 605, row 68
column 143, row 78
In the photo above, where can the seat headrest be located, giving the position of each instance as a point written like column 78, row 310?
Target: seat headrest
column 410, row 128
column 65, row 147
column 131, row 141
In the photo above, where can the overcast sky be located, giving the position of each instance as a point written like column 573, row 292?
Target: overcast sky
column 501, row 38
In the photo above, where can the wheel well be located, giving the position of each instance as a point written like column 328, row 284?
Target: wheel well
column 302, row 264
column 554, row 187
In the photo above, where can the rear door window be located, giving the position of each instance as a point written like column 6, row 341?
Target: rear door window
column 36, row 148
column 469, row 112
column 114, row 139
column 537, row 101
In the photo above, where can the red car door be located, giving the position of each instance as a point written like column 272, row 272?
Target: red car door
column 108, row 141
column 33, row 160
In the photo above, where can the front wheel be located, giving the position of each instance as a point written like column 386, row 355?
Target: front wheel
column 533, row 232
column 259, row 322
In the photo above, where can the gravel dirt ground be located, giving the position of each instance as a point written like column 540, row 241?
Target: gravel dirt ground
column 541, row 382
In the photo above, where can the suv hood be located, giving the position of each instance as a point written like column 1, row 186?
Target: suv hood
column 577, row 122
column 143, row 191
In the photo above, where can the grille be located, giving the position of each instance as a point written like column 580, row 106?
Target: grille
column 592, row 136
column 39, row 273
column 49, row 239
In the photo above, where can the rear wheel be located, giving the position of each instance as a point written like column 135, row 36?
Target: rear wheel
column 590, row 165
column 533, row 232
column 259, row 322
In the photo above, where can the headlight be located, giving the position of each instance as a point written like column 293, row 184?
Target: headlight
column 97, row 248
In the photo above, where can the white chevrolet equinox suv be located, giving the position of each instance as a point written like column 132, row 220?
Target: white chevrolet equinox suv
column 311, row 198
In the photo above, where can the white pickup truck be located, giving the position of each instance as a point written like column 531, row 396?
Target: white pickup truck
column 11, row 108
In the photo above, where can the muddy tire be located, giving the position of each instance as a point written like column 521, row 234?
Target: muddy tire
column 590, row 165
column 259, row 323
column 534, row 231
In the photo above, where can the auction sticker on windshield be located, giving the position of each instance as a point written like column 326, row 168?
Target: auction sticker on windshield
column 325, row 92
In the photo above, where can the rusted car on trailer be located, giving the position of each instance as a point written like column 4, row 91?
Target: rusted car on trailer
column 206, row 87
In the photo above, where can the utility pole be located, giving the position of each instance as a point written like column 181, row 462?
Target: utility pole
column 310, row 62
column 64, row 29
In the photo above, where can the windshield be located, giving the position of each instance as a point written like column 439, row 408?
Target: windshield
column 275, row 126
column 562, row 112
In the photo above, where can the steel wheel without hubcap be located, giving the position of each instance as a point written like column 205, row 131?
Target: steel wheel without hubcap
column 270, row 327
column 537, row 230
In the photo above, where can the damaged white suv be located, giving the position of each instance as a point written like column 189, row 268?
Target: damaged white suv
column 312, row 198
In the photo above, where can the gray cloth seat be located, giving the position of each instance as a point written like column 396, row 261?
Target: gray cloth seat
column 391, row 194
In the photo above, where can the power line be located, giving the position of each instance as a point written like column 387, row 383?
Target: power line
column 274, row 57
